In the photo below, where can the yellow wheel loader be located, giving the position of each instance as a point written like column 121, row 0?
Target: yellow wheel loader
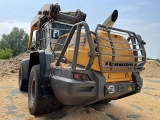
column 71, row 65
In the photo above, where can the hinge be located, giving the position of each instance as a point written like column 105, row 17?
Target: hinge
column 93, row 54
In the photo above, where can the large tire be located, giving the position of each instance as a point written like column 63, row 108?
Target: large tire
column 36, row 102
column 102, row 102
column 23, row 85
column 105, row 101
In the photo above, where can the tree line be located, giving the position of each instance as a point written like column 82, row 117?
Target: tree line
column 13, row 44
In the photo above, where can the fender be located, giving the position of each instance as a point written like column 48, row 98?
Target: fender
column 25, row 64
column 23, row 75
column 44, row 59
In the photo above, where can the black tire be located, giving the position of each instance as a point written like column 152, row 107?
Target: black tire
column 23, row 85
column 102, row 102
column 105, row 101
column 36, row 102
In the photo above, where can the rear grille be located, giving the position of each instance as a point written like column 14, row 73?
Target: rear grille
column 119, row 50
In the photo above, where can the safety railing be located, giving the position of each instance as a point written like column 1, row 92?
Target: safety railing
column 119, row 50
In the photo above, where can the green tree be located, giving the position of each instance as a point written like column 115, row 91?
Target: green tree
column 4, row 44
column 16, row 40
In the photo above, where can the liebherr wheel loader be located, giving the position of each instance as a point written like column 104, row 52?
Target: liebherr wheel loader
column 71, row 65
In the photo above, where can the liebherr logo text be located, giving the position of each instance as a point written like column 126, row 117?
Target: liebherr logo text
column 119, row 64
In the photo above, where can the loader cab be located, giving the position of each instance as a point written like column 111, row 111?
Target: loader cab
column 50, row 33
column 58, row 36
column 59, row 29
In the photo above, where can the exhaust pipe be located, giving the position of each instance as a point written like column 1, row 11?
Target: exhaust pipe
column 111, row 19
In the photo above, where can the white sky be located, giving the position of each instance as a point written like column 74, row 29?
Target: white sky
column 140, row 16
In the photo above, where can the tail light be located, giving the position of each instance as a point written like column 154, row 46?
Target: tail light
column 76, row 76
column 81, row 76
column 84, row 77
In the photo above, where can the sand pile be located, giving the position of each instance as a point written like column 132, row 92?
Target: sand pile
column 62, row 65
column 8, row 67
column 152, row 69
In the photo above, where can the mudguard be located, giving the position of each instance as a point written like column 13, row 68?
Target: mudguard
column 25, row 64
column 44, row 59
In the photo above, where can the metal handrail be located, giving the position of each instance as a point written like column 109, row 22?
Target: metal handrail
column 120, row 48
column 118, row 42
column 77, row 27
column 136, row 46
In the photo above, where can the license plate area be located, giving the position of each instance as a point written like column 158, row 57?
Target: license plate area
column 118, row 88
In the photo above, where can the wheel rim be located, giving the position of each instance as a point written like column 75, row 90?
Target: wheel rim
column 33, row 90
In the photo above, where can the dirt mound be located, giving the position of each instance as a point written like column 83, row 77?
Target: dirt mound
column 152, row 69
column 8, row 67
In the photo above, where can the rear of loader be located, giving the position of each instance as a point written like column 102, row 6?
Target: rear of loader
column 84, row 66
column 104, row 65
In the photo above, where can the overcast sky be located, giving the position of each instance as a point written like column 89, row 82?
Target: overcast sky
column 140, row 16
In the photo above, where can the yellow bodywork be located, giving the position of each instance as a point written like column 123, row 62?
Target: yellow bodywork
column 83, row 57
column 33, row 28
column 84, row 48
column 34, row 23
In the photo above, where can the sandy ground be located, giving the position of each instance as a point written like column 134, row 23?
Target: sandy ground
column 142, row 106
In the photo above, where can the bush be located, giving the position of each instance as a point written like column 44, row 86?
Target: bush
column 158, row 60
column 150, row 58
column 5, row 54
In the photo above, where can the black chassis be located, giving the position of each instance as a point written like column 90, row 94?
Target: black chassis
column 76, row 92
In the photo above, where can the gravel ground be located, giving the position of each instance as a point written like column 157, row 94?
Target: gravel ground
column 142, row 106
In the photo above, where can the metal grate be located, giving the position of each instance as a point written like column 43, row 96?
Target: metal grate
column 119, row 50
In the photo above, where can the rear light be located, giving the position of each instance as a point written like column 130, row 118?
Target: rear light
column 83, row 76
column 80, row 76
column 76, row 76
